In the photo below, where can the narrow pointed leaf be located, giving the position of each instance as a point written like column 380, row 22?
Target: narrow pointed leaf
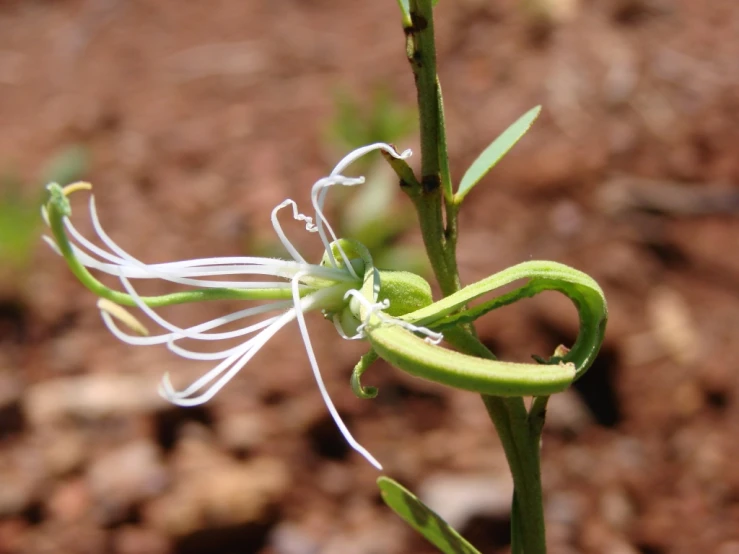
column 493, row 153
column 423, row 519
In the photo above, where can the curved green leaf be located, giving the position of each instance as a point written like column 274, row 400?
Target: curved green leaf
column 423, row 519
column 495, row 151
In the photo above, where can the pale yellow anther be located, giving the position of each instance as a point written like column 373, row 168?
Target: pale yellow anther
column 120, row 313
column 74, row 187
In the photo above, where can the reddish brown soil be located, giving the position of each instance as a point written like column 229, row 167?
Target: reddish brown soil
column 201, row 116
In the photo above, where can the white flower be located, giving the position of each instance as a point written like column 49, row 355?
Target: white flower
column 294, row 286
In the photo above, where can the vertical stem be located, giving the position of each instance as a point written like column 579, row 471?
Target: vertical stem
column 422, row 56
column 439, row 239
column 519, row 435
column 522, row 452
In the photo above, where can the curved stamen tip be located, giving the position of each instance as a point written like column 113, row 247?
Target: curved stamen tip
column 377, row 308
column 166, row 389
column 122, row 315
column 407, row 153
column 434, row 338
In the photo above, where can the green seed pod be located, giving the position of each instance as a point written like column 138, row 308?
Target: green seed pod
column 396, row 340
column 406, row 292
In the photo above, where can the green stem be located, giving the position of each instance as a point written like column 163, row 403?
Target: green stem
column 522, row 452
column 422, row 56
column 430, row 191
column 519, row 435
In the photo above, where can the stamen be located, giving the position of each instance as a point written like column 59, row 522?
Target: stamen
column 205, row 267
column 353, row 156
column 319, row 380
column 195, row 331
column 318, row 195
column 166, row 383
column 185, row 333
column 79, row 237
column 164, row 271
column 171, row 393
column 127, row 260
column 235, row 362
column 184, row 275
column 320, row 189
column 110, row 243
column 431, row 337
column 52, row 244
column 203, row 356
column 309, row 226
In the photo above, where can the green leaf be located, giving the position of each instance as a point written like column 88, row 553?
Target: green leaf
column 423, row 519
column 493, row 153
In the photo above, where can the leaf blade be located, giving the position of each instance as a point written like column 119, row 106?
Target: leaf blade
column 495, row 151
column 423, row 519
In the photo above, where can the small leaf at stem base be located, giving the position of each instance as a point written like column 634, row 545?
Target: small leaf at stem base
column 423, row 519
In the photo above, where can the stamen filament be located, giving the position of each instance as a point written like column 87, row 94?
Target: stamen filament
column 195, row 332
column 354, row 155
column 431, row 337
column 180, row 398
column 281, row 234
column 317, row 195
column 319, row 380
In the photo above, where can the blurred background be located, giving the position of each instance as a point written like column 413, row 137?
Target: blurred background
column 194, row 119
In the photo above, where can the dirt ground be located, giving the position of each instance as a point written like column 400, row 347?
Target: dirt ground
column 199, row 117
